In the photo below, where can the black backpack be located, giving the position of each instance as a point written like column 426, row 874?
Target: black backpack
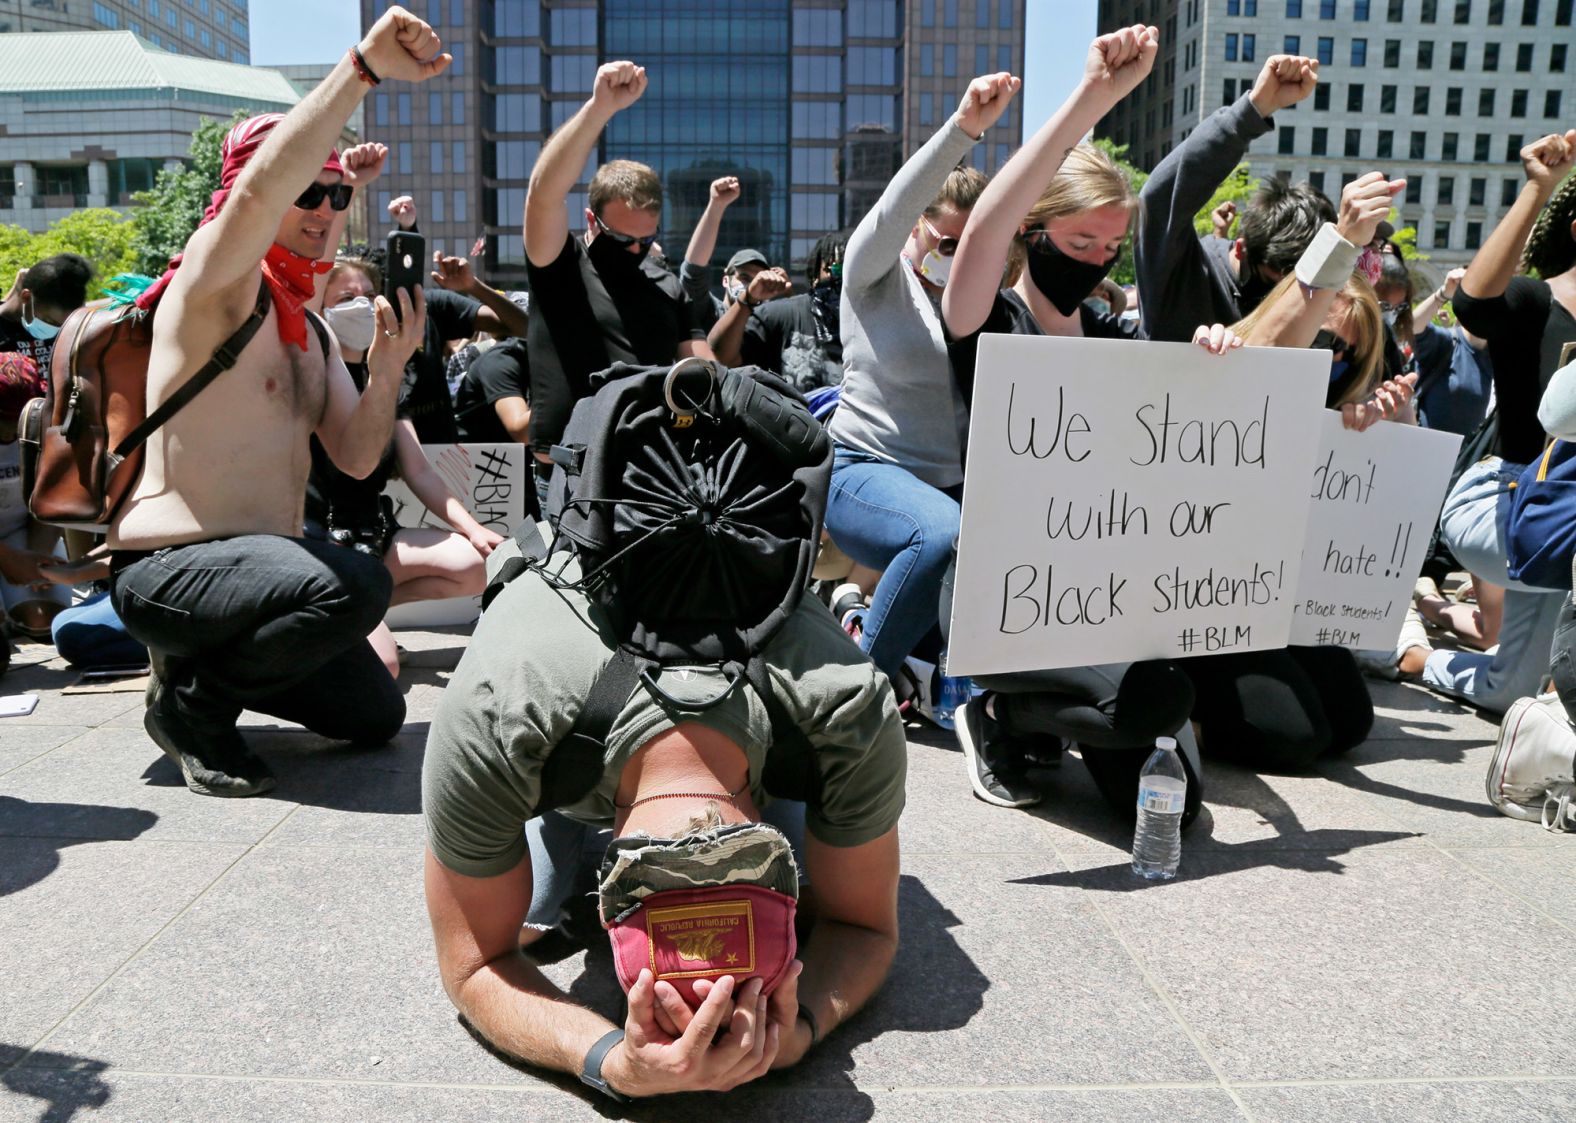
column 692, row 498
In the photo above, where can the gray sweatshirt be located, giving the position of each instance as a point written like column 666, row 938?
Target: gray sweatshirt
column 1181, row 282
column 899, row 401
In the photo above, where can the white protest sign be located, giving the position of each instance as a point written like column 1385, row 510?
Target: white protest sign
column 1376, row 496
column 490, row 479
column 1131, row 501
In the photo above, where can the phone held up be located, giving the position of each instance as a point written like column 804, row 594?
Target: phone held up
column 406, row 263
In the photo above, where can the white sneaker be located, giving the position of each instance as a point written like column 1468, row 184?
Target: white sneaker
column 1533, row 773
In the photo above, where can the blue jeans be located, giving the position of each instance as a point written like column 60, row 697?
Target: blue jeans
column 558, row 842
column 886, row 518
column 1473, row 524
column 90, row 635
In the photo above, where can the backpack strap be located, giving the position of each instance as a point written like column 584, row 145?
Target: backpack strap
column 574, row 767
column 321, row 329
column 223, row 359
column 532, row 549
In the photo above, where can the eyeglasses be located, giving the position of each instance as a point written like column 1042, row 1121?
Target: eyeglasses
column 946, row 247
column 338, row 195
column 627, row 239
column 1403, row 306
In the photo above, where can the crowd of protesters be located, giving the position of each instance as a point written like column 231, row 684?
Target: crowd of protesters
column 254, row 562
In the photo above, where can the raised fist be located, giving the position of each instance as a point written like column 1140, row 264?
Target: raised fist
column 985, row 101
column 1284, row 81
column 1119, row 61
column 618, row 86
column 405, row 48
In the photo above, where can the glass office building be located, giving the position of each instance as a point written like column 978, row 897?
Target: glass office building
column 813, row 104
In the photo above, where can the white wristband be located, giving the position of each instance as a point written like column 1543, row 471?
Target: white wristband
column 1328, row 261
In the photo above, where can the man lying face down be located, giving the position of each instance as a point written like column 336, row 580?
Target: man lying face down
column 699, row 897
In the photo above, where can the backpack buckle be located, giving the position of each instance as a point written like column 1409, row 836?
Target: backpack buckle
column 688, row 386
column 568, row 457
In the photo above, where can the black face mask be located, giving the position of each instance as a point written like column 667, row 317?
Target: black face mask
column 824, row 300
column 614, row 262
column 1064, row 281
column 1340, row 363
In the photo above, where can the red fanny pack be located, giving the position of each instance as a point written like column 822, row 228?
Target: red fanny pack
column 684, row 935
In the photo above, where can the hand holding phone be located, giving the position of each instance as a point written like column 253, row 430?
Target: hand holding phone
column 406, row 265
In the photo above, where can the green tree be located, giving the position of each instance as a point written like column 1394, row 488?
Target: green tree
column 1122, row 272
column 101, row 235
column 1238, row 188
column 168, row 212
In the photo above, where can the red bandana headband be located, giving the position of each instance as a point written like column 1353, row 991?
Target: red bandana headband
column 290, row 277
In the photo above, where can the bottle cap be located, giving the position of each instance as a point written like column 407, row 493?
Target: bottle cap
column 1166, row 743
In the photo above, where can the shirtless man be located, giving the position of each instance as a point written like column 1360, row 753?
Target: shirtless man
column 237, row 610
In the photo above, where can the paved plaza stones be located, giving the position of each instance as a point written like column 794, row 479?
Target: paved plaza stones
column 1371, row 942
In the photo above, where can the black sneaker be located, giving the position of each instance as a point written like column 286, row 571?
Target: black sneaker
column 212, row 764
column 996, row 776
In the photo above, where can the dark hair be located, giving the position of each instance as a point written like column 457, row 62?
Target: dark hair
column 1280, row 221
column 1551, row 248
column 61, row 280
column 827, row 251
column 1393, row 272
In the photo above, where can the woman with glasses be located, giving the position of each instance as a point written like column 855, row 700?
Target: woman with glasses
column 899, row 429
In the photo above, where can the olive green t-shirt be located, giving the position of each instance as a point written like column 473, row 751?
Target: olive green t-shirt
column 527, row 672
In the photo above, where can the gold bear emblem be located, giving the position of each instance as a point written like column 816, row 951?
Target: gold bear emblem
column 694, row 946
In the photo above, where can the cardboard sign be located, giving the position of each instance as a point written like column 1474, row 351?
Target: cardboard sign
column 1375, row 499
column 1131, row 501
column 490, row 479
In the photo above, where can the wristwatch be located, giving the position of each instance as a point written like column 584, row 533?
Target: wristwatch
column 591, row 1070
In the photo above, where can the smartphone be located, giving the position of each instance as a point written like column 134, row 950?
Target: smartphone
column 109, row 674
column 406, row 265
column 18, row 705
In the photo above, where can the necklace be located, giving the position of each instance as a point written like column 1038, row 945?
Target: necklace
column 728, row 797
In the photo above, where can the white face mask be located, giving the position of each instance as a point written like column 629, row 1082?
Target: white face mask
column 932, row 267
column 354, row 323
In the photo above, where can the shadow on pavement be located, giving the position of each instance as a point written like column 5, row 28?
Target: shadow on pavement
column 36, row 833
column 318, row 772
column 64, row 1084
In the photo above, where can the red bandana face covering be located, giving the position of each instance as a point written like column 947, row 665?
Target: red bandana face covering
column 291, row 278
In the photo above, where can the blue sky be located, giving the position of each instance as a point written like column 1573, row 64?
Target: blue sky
column 1057, row 36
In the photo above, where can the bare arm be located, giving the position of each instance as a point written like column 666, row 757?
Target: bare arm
column 515, row 415
column 727, row 337
column 355, row 430
column 1424, row 311
column 854, row 939
column 618, row 86
column 498, row 316
column 426, row 485
column 220, row 265
column 703, row 243
column 1115, row 64
column 1545, row 162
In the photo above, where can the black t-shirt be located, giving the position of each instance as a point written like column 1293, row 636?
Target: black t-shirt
column 1009, row 315
column 781, row 335
column 578, row 329
column 14, row 337
column 503, row 372
column 1525, row 329
column 424, row 393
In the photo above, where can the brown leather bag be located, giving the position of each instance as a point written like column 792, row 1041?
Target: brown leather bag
column 82, row 443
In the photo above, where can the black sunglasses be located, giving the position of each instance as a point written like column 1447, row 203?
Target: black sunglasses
column 626, row 239
column 338, row 195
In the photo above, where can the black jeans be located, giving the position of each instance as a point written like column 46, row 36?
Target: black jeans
column 1280, row 710
column 277, row 625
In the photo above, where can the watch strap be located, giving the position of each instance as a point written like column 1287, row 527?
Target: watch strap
column 591, row 1070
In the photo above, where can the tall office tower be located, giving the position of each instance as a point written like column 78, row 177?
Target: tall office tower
column 206, row 28
column 804, row 100
column 1441, row 92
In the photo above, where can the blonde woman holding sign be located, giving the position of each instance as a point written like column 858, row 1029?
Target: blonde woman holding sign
column 1056, row 218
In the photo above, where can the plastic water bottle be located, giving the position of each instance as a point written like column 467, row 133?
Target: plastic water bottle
column 1162, row 792
column 954, row 691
